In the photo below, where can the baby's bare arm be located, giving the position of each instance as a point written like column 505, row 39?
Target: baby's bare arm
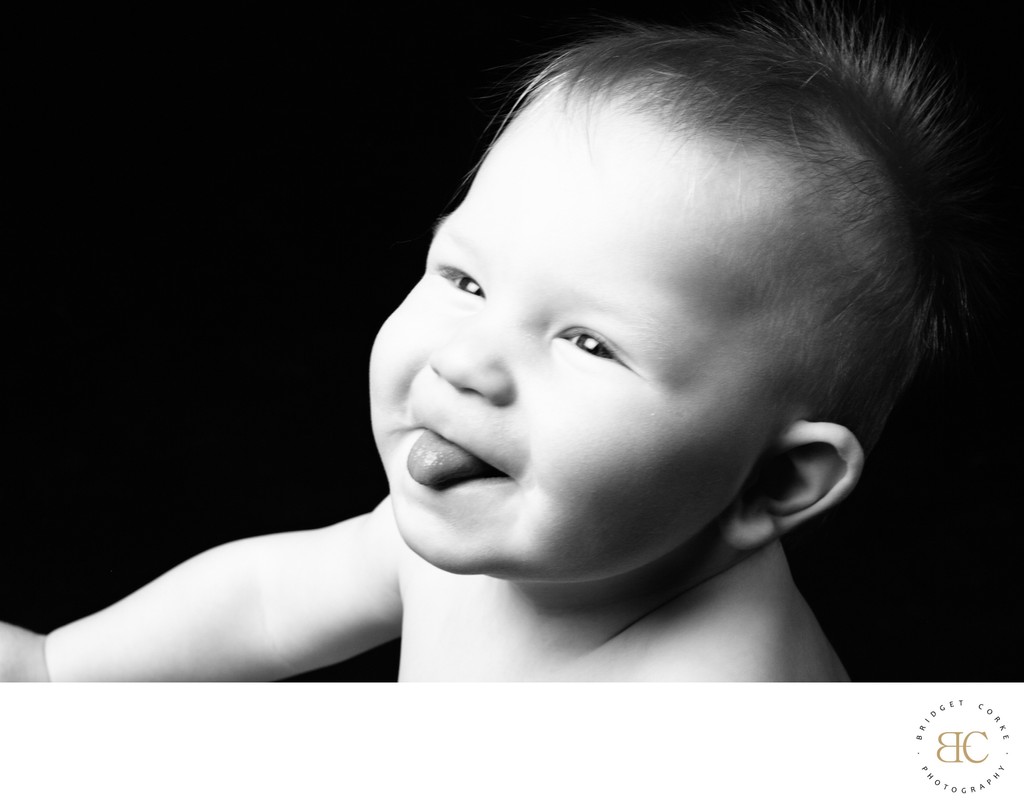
column 256, row 609
column 21, row 655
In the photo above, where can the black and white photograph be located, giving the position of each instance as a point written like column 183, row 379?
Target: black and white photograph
column 563, row 342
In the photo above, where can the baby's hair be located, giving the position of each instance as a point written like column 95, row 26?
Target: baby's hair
column 878, row 134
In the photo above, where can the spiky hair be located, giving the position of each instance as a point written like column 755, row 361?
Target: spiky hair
column 879, row 133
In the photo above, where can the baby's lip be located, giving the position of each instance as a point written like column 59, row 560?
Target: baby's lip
column 439, row 463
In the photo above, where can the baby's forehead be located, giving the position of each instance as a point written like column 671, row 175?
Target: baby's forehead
column 615, row 177
column 611, row 149
column 608, row 135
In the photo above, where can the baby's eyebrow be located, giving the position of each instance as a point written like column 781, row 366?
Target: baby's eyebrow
column 464, row 243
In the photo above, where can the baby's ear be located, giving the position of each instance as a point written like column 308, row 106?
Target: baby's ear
column 810, row 468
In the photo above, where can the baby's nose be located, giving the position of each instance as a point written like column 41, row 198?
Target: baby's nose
column 471, row 362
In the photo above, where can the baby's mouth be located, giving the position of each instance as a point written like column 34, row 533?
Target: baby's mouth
column 438, row 463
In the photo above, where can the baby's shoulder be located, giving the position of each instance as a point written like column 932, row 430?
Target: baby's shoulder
column 773, row 645
column 372, row 538
column 773, row 637
column 357, row 559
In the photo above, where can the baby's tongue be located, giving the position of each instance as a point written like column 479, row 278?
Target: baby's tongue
column 438, row 463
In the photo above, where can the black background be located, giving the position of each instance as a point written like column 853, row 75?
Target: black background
column 206, row 220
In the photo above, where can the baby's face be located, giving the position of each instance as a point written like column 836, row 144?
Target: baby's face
column 587, row 328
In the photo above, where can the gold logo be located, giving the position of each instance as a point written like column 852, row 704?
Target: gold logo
column 961, row 747
column 957, row 732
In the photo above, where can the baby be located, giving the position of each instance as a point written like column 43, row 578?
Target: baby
column 665, row 324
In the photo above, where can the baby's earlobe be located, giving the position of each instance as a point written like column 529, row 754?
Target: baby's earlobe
column 747, row 525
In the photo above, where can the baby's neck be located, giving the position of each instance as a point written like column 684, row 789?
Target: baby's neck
column 595, row 613
column 591, row 613
column 746, row 621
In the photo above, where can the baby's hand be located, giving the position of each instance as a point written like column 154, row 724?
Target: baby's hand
column 22, row 658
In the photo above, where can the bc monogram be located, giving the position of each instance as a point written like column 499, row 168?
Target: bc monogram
column 961, row 745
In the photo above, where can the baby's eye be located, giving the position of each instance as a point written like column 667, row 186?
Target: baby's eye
column 467, row 284
column 462, row 281
column 591, row 344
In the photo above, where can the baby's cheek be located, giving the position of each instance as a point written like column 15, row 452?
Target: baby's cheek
column 639, row 473
column 397, row 351
column 591, row 470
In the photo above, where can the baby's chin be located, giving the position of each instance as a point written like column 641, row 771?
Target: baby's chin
column 445, row 546
column 475, row 553
column 499, row 557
